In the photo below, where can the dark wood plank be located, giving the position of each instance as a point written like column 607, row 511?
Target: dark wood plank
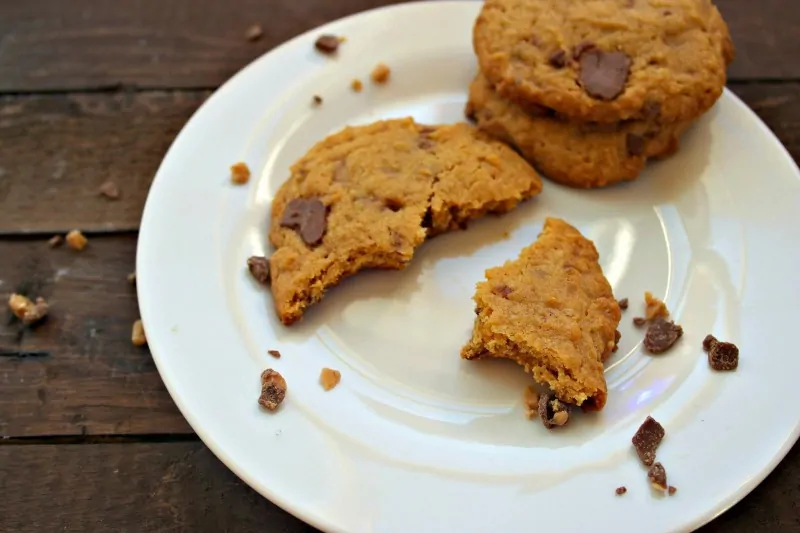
column 130, row 487
column 183, row 487
column 78, row 372
column 56, row 151
column 57, row 45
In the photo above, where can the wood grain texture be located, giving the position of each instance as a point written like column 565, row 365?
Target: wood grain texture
column 78, row 373
column 57, row 150
column 182, row 487
column 50, row 45
column 57, row 45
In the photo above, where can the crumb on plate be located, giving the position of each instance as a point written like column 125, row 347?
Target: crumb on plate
column 329, row 378
column 240, row 173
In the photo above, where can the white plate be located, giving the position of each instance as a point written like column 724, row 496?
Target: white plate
column 414, row 438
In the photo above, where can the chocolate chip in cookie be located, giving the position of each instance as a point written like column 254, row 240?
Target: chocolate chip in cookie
column 307, row 216
column 603, row 75
column 558, row 59
column 635, row 144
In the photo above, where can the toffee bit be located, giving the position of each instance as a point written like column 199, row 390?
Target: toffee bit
column 138, row 337
column 273, row 389
column 240, row 173
column 380, row 74
column 76, row 240
column 27, row 311
column 274, row 353
column 329, row 378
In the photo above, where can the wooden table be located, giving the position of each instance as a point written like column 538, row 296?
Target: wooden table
column 96, row 90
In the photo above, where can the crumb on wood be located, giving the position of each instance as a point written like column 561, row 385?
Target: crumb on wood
column 138, row 337
column 240, row 173
column 28, row 311
column 329, row 378
column 76, row 240
column 356, row 85
column 316, row 100
column 273, row 389
column 621, row 490
column 380, row 74
column 132, row 278
column 110, row 190
column 274, row 353
column 254, row 32
column 55, row 241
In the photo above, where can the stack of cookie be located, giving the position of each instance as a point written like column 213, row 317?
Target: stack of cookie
column 587, row 91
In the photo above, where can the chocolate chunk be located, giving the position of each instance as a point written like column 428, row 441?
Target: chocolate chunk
column 623, row 304
column 603, row 74
column 635, row 144
column 502, row 291
column 552, row 411
column 274, row 353
column 651, row 110
column 581, row 47
column 723, row 356
column 709, row 342
column 621, row 490
column 658, row 477
column 639, row 321
column 259, row 268
column 327, row 44
column 647, row 439
column 307, row 216
column 558, row 59
column 661, row 335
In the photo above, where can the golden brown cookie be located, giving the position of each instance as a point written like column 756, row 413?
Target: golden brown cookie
column 553, row 312
column 367, row 196
column 575, row 154
column 606, row 60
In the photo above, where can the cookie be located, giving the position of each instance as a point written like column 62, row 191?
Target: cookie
column 553, row 312
column 367, row 196
column 575, row 154
column 606, row 60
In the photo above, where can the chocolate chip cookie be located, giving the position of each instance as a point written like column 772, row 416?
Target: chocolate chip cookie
column 553, row 312
column 575, row 154
column 606, row 60
column 367, row 196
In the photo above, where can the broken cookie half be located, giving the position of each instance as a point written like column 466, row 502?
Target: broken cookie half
column 553, row 312
column 368, row 196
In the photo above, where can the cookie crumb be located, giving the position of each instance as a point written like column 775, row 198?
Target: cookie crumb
column 654, row 307
column 552, row 411
column 329, row 378
column 110, row 190
column 274, row 353
column 356, row 85
column 138, row 337
column 380, row 74
column 722, row 356
column 530, row 399
column 317, row 100
column 672, row 490
column 132, row 278
column 661, row 336
column 623, row 304
column 327, row 44
column 76, row 240
column 658, row 477
column 240, row 173
column 55, row 241
column 26, row 310
column 259, row 268
column 273, row 389
column 646, row 440
column 621, row 490
column 254, row 33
